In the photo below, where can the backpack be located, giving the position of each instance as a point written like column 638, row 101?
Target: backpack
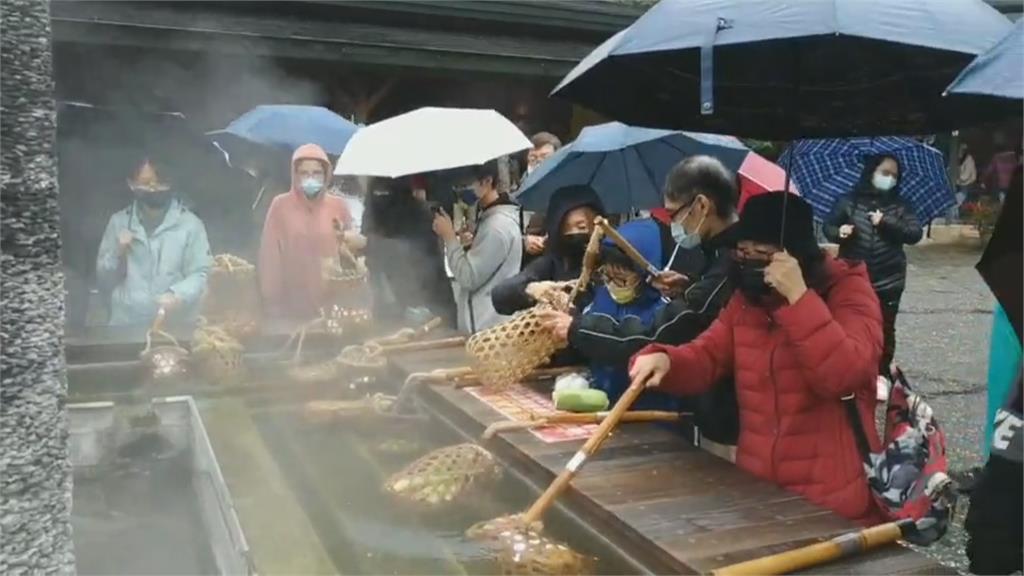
column 909, row 477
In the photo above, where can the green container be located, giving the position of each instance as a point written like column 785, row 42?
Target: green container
column 590, row 400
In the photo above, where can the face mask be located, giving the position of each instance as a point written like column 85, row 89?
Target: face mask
column 311, row 187
column 157, row 199
column 621, row 294
column 883, row 182
column 750, row 280
column 575, row 244
column 686, row 240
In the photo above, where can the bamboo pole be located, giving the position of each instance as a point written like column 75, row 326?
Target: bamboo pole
column 625, row 246
column 540, row 420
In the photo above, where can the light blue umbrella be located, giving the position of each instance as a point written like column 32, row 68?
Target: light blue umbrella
column 827, row 169
column 287, row 126
column 626, row 166
column 999, row 72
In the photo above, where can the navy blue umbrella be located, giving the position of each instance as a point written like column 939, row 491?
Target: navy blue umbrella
column 826, row 170
column 998, row 73
column 782, row 70
column 287, row 126
column 626, row 166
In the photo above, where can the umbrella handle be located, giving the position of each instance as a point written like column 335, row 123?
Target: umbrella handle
column 564, row 477
column 848, row 544
column 625, row 246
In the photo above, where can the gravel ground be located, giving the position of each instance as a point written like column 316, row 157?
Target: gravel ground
column 942, row 339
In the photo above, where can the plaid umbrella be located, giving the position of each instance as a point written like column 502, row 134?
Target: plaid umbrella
column 827, row 169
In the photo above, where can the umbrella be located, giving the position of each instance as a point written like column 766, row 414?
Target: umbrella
column 828, row 169
column 287, row 126
column 1000, row 265
column 779, row 70
column 430, row 139
column 759, row 175
column 627, row 166
column 997, row 76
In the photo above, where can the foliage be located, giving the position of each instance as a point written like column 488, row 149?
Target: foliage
column 982, row 214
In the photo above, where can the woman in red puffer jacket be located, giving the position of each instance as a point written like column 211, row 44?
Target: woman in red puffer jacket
column 801, row 332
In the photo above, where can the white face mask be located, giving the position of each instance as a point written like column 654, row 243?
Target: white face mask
column 883, row 182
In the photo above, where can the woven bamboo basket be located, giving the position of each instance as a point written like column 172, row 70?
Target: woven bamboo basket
column 346, row 296
column 507, row 353
column 217, row 354
column 163, row 362
column 531, row 553
column 444, row 476
column 232, row 298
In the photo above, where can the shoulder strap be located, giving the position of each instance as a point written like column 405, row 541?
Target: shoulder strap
column 859, row 435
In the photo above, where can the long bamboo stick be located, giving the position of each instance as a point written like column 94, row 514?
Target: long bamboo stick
column 540, row 420
column 849, row 544
column 625, row 246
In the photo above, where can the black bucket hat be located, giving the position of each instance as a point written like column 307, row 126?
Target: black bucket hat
column 765, row 215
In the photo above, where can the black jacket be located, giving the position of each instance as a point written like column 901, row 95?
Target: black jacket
column 555, row 264
column 879, row 247
column 604, row 340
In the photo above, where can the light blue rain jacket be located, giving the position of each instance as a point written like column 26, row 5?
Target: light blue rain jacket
column 175, row 258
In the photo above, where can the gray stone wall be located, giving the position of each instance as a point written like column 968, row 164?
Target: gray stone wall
column 35, row 474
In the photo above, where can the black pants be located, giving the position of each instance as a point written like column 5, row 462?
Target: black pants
column 890, row 301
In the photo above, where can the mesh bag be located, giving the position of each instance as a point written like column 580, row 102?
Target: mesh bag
column 444, row 475
column 506, row 353
column 163, row 362
column 232, row 298
column 527, row 552
column 364, row 356
column 217, row 354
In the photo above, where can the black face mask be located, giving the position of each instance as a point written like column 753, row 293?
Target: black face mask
column 749, row 279
column 575, row 244
column 158, row 199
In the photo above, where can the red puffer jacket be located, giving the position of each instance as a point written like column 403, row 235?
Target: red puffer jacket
column 792, row 365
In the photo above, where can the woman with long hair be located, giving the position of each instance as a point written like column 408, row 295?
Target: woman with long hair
column 872, row 224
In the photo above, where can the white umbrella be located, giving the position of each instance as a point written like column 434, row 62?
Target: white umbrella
column 430, row 139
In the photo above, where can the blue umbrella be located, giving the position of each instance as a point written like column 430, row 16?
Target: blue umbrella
column 828, row 169
column 288, row 126
column 626, row 166
column 999, row 72
column 783, row 70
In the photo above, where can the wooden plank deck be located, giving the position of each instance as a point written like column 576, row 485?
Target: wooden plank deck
column 671, row 506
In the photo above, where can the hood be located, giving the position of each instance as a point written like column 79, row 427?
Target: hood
column 563, row 201
column 644, row 235
column 310, row 152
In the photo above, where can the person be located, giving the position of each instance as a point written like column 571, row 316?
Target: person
column 872, row 224
column 624, row 296
column 999, row 171
column 298, row 235
column 802, row 332
column 544, row 145
column 967, row 175
column 696, row 238
column 571, row 213
column 403, row 257
column 494, row 255
column 154, row 254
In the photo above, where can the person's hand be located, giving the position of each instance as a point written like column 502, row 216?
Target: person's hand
column 845, row 231
column 556, row 322
column 355, row 241
column 784, row 275
column 876, row 217
column 443, row 226
column 168, row 301
column 465, row 237
column 534, row 244
column 124, row 240
column 670, row 283
column 649, row 369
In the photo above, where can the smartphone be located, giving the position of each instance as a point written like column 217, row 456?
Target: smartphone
column 435, row 207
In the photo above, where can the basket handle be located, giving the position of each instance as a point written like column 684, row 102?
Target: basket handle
column 155, row 328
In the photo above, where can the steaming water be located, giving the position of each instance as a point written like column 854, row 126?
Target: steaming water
column 140, row 519
column 338, row 476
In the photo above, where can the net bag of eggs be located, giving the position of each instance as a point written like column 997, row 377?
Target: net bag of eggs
column 506, row 353
column 444, row 476
column 232, row 298
column 217, row 354
column 347, row 297
column 531, row 553
column 168, row 361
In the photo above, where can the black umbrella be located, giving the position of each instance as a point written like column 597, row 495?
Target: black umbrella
column 1001, row 264
column 780, row 70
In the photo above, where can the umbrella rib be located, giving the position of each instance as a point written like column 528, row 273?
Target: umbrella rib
column 647, row 169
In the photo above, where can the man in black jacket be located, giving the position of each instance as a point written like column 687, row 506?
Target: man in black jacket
column 700, row 193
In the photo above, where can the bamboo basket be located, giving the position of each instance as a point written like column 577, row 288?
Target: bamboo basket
column 163, row 362
column 216, row 354
column 232, row 298
column 346, row 296
column 444, row 476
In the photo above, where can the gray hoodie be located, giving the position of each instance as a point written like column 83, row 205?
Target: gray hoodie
column 496, row 254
